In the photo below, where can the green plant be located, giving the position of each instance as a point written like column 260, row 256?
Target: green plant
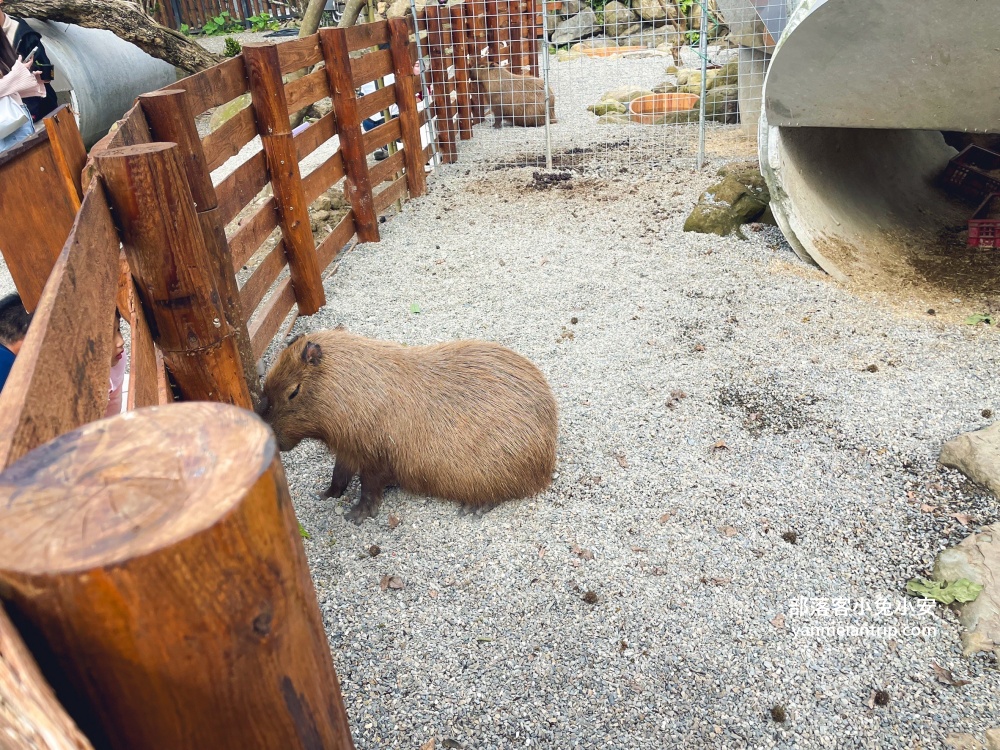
column 685, row 6
column 233, row 48
column 693, row 37
column 990, row 319
column 185, row 29
column 221, row 24
column 262, row 22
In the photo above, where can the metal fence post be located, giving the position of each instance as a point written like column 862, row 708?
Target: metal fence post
column 545, row 74
column 703, row 44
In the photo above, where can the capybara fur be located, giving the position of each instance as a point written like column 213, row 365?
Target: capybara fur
column 518, row 99
column 469, row 421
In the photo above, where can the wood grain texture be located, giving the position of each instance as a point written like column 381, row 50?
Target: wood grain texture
column 223, row 144
column 460, row 49
column 390, row 195
column 38, row 210
column 177, row 277
column 370, row 66
column 388, row 168
column 377, row 101
column 323, row 177
column 299, row 53
column 263, row 277
column 406, row 87
column 316, row 135
column 31, row 718
column 252, row 233
column 68, row 151
column 272, row 114
column 381, row 135
column 352, row 145
column 437, row 46
column 334, row 242
column 241, row 186
column 131, row 130
column 68, row 347
column 365, row 35
column 306, row 90
column 267, row 322
column 157, row 557
column 214, row 86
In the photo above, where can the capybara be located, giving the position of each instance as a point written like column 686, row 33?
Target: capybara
column 469, row 421
column 518, row 99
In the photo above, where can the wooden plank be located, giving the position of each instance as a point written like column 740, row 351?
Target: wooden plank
column 59, row 380
column 406, row 86
column 217, row 85
column 438, row 41
column 367, row 35
column 316, row 135
column 299, row 53
column 390, row 195
column 387, row 168
column 68, row 151
column 461, row 55
column 383, row 134
column 371, row 66
column 144, row 365
column 265, row 326
column 377, row 101
column 480, row 33
column 223, row 144
column 262, row 278
column 305, row 90
column 352, row 143
column 325, row 176
column 37, row 216
column 335, row 241
column 252, row 233
column 242, row 186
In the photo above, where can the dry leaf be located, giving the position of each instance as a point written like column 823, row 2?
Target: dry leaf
column 871, row 700
column 582, row 553
column 779, row 622
column 925, row 508
column 429, row 745
column 393, row 520
column 678, row 395
column 963, row 518
column 432, row 594
column 668, row 515
column 640, row 549
column 541, row 552
column 621, row 460
column 946, row 677
column 699, row 347
column 390, row 582
column 728, row 530
column 720, row 446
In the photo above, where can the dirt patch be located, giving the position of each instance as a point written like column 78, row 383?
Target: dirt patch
column 766, row 407
column 547, row 180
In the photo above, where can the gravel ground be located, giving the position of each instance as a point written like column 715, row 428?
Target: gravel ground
column 737, row 431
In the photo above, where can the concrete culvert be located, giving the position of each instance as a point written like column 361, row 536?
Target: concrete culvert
column 855, row 101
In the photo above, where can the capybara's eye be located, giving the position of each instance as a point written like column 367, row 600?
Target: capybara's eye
column 294, row 393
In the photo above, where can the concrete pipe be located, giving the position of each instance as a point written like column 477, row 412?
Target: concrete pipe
column 99, row 74
column 856, row 97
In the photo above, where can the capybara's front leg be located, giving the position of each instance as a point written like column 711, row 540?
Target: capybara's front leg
column 372, row 485
column 342, row 476
column 497, row 122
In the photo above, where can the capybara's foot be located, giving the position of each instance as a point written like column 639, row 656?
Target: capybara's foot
column 497, row 123
column 478, row 510
column 342, row 477
column 366, row 507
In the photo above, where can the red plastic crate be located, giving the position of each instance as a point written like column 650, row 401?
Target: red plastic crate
column 984, row 226
column 968, row 173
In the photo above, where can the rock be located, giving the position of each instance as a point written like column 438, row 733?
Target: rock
column 572, row 7
column 722, row 104
column 672, row 70
column 625, row 94
column 993, row 739
column 323, row 203
column 579, row 26
column 614, row 118
column 976, row 558
column 651, row 10
column 617, row 18
column 606, row 107
column 595, row 43
column 977, row 455
column 398, row 9
column 662, row 37
column 228, row 110
column 665, row 88
column 963, row 742
column 678, row 118
column 729, row 74
column 740, row 197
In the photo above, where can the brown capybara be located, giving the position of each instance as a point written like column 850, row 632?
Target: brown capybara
column 517, row 99
column 470, row 421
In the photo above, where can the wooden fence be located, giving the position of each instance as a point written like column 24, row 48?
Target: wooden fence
column 195, row 13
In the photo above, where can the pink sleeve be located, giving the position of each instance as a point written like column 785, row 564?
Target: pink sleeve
column 19, row 81
column 115, row 390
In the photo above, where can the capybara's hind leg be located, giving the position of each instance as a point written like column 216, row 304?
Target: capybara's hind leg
column 372, row 485
column 342, row 476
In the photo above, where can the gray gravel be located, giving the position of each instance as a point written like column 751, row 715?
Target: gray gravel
column 683, row 501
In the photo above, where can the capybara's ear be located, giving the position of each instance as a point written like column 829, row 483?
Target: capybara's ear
column 293, row 339
column 312, row 353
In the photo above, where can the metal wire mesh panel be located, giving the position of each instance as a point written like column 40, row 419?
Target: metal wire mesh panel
column 629, row 82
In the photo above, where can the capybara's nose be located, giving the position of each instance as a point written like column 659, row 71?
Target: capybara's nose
column 262, row 406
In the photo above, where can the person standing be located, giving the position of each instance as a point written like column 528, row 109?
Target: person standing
column 27, row 43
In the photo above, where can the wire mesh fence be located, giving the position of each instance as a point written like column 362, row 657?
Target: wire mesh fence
column 617, row 84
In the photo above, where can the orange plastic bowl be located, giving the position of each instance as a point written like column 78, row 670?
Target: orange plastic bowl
column 646, row 109
column 608, row 51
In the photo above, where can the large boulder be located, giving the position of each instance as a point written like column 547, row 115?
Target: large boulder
column 608, row 106
column 722, row 104
column 617, row 18
column 977, row 455
column 661, row 37
column 579, row 26
column 739, row 198
column 655, row 10
column 976, row 559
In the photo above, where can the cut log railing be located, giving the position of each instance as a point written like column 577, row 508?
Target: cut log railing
column 442, row 107
column 460, row 54
column 156, row 559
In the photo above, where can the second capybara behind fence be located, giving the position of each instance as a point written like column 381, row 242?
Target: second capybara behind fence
column 470, row 421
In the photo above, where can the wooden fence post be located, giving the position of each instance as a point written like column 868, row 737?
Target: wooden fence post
column 440, row 62
column 33, row 719
column 166, row 250
column 171, row 121
column 68, row 150
column 460, row 52
column 169, row 595
column 337, row 60
column 514, row 34
column 271, row 112
column 478, row 41
column 406, row 99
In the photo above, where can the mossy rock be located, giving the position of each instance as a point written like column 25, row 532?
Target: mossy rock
column 677, row 118
column 625, row 94
column 728, row 74
column 607, row 107
column 740, row 197
column 614, row 118
column 665, row 88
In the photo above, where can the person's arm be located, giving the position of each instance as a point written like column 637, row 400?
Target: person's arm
column 20, row 81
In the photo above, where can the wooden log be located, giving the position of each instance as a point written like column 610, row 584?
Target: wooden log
column 157, row 558
column 177, row 277
column 534, row 36
column 461, row 55
column 59, row 380
column 407, row 85
column 480, row 32
column 282, row 161
column 441, row 100
column 352, row 146
column 170, row 120
column 68, row 151
column 514, row 35
column 30, row 716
